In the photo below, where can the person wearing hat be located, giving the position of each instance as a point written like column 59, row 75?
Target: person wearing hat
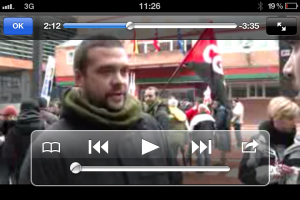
column 201, row 129
column 7, row 121
column 9, row 114
column 195, row 110
column 18, row 138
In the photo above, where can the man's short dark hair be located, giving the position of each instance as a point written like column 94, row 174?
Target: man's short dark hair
column 217, row 102
column 81, row 53
column 42, row 102
column 29, row 104
column 153, row 88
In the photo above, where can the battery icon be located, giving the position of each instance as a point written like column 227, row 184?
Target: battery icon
column 291, row 5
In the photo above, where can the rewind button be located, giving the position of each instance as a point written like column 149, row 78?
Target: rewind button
column 97, row 147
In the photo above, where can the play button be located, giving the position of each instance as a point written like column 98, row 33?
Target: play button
column 148, row 147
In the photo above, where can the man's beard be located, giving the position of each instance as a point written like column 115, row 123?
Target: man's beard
column 93, row 99
column 149, row 103
column 101, row 103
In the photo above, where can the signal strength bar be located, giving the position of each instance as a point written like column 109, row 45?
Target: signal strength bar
column 8, row 7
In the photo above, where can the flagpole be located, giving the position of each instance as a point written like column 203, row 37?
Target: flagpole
column 182, row 63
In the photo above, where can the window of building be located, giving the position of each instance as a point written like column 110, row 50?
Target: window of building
column 70, row 57
column 256, row 90
column 166, row 45
column 4, row 96
column 239, row 91
column 141, row 48
column 16, row 97
column 272, row 90
column 150, row 48
column 176, row 45
column 252, row 91
column 183, row 94
column 15, row 83
column 259, row 91
column 188, row 45
column 2, row 82
column 180, row 94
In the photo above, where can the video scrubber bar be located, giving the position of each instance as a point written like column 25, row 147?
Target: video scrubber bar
column 131, row 25
column 76, row 168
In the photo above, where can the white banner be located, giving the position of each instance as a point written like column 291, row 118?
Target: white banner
column 231, row 46
column 285, row 52
column 48, row 80
column 131, row 84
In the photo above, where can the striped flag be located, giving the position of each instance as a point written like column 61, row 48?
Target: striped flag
column 131, row 84
column 135, row 43
column 155, row 41
column 180, row 41
column 49, row 78
column 135, row 47
column 207, row 96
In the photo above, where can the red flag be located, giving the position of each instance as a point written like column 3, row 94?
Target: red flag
column 206, row 51
column 204, row 58
column 155, row 42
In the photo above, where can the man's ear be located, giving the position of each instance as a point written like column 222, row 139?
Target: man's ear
column 78, row 78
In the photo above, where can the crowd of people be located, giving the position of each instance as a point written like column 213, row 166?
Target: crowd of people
column 100, row 101
column 173, row 114
column 16, row 129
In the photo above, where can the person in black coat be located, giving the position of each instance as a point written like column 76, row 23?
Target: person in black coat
column 18, row 138
column 222, row 136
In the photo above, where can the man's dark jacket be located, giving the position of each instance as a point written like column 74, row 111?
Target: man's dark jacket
column 57, row 171
column 18, row 138
column 220, row 116
column 159, row 110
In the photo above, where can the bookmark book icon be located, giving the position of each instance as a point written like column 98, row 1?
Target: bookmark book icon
column 51, row 147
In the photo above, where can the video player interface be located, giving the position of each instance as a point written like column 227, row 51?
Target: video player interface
column 90, row 156
column 155, row 97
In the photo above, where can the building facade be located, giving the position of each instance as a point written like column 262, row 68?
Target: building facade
column 16, row 65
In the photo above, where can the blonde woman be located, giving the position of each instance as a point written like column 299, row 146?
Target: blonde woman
column 284, row 145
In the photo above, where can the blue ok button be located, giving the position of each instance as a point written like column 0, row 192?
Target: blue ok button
column 18, row 26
